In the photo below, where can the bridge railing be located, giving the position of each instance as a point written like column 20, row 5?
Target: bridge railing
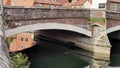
column 23, row 13
column 18, row 13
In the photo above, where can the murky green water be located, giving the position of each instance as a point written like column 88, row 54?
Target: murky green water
column 48, row 55
column 115, row 53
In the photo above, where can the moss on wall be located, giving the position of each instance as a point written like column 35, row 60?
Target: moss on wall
column 92, row 20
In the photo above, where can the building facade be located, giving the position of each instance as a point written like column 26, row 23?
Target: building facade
column 38, row 3
column 21, row 41
column 113, row 5
column 79, row 4
column 19, row 2
column 50, row 3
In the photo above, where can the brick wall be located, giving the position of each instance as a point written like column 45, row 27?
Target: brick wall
column 117, row 2
column 113, row 22
column 21, row 41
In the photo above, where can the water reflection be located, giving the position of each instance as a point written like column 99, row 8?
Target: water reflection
column 49, row 55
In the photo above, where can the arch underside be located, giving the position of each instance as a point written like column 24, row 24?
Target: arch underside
column 113, row 29
column 47, row 26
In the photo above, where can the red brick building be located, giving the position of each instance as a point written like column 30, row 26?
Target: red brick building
column 113, row 5
column 50, row 3
column 19, row 2
column 21, row 41
column 38, row 3
column 79, row 4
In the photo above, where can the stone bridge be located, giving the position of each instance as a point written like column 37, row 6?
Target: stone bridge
column 78, row 20
column 91, row 23
column 46, row 18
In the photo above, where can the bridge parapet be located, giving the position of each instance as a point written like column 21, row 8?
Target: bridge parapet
column 17, row 13
column 20, row 16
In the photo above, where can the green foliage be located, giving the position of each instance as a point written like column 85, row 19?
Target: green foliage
column 92, row 20
column 19, row 60
column 9, row 40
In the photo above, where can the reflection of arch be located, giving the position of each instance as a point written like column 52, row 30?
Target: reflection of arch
column 113, row 29
column 47, row 26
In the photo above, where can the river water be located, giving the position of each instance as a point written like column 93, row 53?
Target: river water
column 50, row 55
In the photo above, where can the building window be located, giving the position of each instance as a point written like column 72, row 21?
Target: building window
column 26, row 39
column 54, row 0
column 101, row 5
column 39, row 5
column 23, row 47
column 113, row 6
column 21, row 39
column 49, row 5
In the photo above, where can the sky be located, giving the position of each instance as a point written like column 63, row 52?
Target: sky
column 96, row 3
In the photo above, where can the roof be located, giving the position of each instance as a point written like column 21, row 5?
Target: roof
column 22, row 2
column 31, row 2
column 19, row 2
column 6, row 2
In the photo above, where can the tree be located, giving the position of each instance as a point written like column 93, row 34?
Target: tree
column 9, row 41
column 19, row 60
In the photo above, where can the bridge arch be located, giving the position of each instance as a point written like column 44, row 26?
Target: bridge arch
column 47, row 26
column 113, row 29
